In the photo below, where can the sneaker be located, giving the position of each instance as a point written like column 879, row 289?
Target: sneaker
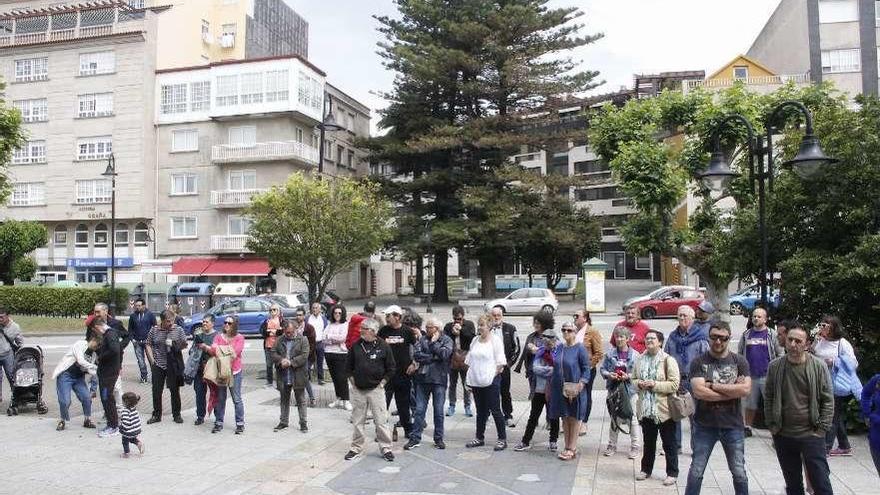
column 217, row 428
column 634, row 453
column 334, row 404
column 347, row 405
column 475, row 443
column 320, row 382
column 388, row 456
column 88, row 424
column 669, row 481
column 124, row 455
column 522, row 447
column 352, row 455
column 511, row 423
column 143, row 380
column 412, row 444
column 178, row 420
column 450, row 411
column 838, row 452
column 552, row 446
column 610, row 450
column 239, row 429
column 279, row 427
column 747, row 432
column 467, row 411
column 641, row 476
column 440, row 445
column 60, row 427
column 583, row 430
column 108, row 432
column 304, row 428
column 199, row 421
column 153, row 419
column 500, row 445
column 141, row 447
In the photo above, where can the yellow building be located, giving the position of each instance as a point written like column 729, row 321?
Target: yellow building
column 749, row 72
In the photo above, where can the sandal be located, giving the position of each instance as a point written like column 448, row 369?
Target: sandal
column 566, row 455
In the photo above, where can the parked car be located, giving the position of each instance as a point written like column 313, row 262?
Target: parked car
column 744, row 301
column 251, row 311
column 655, row 294
column 666, row 300
column 526, row 301
column 301, row 300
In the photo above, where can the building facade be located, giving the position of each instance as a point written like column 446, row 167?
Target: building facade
column 82, row 77
column 833, row 40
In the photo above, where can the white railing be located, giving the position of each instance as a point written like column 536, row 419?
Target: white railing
column 234, row 199
column 748, row 81
column 230, row 243
column 275, row 150
column 62, row 34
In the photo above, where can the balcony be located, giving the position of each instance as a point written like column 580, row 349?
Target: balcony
column 233, row 199
column 71, row 24
column 229, row 243
column 265, row 152
column 764, row 84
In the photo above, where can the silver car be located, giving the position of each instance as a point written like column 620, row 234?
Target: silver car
column 526, row 301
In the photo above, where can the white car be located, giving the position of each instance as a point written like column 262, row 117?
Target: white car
column 526, row 301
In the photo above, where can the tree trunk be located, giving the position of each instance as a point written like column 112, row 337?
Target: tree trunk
column 420, row 277
column 441, row 271
column 718, row 295
column 487, row 276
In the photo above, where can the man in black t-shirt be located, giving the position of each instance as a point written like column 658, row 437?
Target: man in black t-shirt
column 719, row 379
column 401, row 339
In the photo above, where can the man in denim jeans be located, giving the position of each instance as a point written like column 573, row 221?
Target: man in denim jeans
column 432, row 353
column 719, row 379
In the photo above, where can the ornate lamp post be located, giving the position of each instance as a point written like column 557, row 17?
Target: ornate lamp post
column 111, row 173
column 328, row 124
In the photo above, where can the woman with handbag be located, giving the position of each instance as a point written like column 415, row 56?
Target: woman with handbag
column 163, row 347
column 571, row 373
column 485, row 362
column 230, row 338
column 541, row 373
column 840, row 357
column 656, row 378
column 617, row 368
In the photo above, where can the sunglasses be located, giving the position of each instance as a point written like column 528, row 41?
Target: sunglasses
column 719, row 338
column 568, row 330
column 274, row 310
column 824, row 325
column 228, row 322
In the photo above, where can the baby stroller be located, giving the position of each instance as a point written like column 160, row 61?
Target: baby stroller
column 27, row 384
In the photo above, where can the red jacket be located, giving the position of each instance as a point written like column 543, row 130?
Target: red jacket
column 354, row 329
column 639, row 330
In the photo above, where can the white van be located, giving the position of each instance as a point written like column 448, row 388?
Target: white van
column 230, row 289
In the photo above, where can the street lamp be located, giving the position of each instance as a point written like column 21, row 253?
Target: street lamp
column 426, row 239
column 111, row 172
column 808, row 161
column 328, row 123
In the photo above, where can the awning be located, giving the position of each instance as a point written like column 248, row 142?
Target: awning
column 240, row 267
column 247, row 267
column 190, row 266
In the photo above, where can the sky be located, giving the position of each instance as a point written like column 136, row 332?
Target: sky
column 640, row 36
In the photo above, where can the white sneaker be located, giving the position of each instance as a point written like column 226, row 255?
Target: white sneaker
column 333, row 404
column 669, row 481
column 347, row 405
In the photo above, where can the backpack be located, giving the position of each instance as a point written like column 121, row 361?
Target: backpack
column 619, row 407
column 218, row 369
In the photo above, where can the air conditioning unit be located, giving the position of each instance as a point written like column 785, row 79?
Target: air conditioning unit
column 227, row 41
column 207, row 38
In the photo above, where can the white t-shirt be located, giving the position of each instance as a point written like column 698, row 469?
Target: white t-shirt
column 483, row 360
column 318, row 323
column 831, row 349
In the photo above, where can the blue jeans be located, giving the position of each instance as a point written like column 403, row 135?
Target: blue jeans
column 270, row 365
column 220, row 408
column 65, row 383
column 201, row 390
column 319, row 360
column 733, row 442
column 488, row 401
column 141, row 358
column 437, row 394
column 875, row 454
column 7, row 362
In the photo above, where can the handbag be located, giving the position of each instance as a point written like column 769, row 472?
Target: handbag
column 619, row 407
column 681, row 404
column 12, row 343
column 569, row 389
column 844, row 380
column 458, row 358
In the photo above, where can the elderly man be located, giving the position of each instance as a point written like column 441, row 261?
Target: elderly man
column 432, row 353
column 688, row 341
column 703, row 315
column 759, row 346
column 12, row 339
column 370, row 366
column 638, row 328
column 507, row 333
column 291, row 357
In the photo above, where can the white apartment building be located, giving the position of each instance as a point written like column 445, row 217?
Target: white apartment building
column 81, row 75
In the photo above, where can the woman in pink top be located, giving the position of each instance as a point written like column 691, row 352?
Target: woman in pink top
column 231, row 338
column 336, row 354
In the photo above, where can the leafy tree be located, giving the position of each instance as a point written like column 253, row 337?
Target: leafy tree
column 314, row 229
column 17, row 239
column 11, row 137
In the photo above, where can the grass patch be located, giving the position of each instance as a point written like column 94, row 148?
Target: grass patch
column 31, row 325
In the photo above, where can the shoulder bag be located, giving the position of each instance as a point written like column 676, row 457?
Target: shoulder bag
column 681, row 404
column 569, row 389
column 12, row 344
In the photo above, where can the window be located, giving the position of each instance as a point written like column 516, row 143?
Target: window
column 877, row 13
column 643, row 262
column 206, row 30
column 183, row 228
column 141, row 234
column 28, row 194
column 276, row 85
column 519, row 294
column 590, row 167
column 838, row 11
column 184, row 140
column 740, row 72
column 32, row 69
column 92, row 64
column 93, row 191
column 36, row 110
column 841, row 61
column 95, row 105
column 340, row 151
column 229, row 29
column 251, row 88
column 352, row 120
column 100, row 235
column 239, row 225
column 242, row 180
column 30, row 152
column 596, row 193
column 309, row 92
column 243, row 136
column 94, row 148
column 183, row 184
column 227, row 90
column 121, row 235
column 299, row 135
column 81, row 238
column 200, row 96
column 173, row 98
column 59, row 236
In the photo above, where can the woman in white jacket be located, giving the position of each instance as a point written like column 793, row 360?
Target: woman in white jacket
column 70, row 375
column 486, row 361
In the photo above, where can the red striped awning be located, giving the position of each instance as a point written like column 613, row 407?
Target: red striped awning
column 190, row 266
column 241, row 267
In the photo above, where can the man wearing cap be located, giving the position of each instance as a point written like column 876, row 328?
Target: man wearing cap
column 759, row 347
column 703, row 315
column 400, row 339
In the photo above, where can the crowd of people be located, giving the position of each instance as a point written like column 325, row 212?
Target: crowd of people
column 654, row 381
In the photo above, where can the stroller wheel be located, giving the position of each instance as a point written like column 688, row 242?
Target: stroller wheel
column 12, row 411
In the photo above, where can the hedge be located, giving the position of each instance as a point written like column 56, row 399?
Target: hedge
column 57, row 301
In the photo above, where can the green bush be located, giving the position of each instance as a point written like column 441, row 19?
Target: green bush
column 57, row 301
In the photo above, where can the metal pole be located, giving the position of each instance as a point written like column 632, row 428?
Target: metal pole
column 113, row 238
column 762, row 233
column 321, row 151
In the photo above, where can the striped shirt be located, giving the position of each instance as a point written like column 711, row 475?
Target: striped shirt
column 129, row 422
column 156, row 339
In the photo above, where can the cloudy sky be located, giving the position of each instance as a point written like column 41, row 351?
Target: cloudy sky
column 641, row 36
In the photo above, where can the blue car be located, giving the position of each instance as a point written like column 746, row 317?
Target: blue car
column 745, row 301
column 251, row 311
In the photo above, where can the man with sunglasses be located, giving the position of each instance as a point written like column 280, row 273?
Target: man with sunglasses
column 758, row 346
column 719, row 380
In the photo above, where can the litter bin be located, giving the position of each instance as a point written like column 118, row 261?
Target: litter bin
column 229, row 290
column 194, row 297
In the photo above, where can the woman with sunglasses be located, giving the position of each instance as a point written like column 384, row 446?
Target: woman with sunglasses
column 840, row 357
column 336, row 354
column 230, row 337
column 568, row 395
column 270, row 330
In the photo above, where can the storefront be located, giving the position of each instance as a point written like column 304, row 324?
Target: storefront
column 96, row 269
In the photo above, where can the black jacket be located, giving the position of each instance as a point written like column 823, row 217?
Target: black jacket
column 466, row 335
column 110, row 354
column 527, row 356
column 121, row 333
column 511, row 342
column 369, row 363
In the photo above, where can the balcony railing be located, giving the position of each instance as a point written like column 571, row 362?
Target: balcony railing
column 748, row 81
column 270, row 151
column 63, row 34
column 233, row 199
column 230, row 243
